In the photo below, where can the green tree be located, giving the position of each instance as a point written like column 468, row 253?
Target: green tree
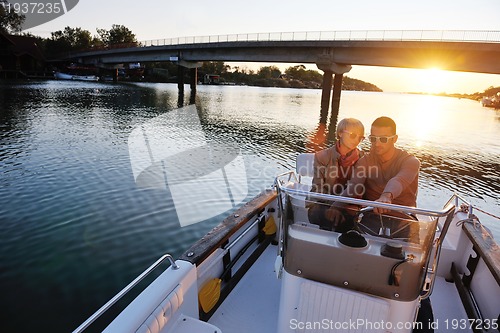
column 491, row 91
column 269, row 72
column 70, row 39
column 10, row 22
column 214, row 67
column 313, row 76
column 355, row 84
column 118, row 34
column 296, row 72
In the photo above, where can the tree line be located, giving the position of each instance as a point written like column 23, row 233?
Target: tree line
column 76, row 39
column 69, row 39
column 271, row 76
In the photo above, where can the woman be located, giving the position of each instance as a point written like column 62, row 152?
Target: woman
column 333, row 168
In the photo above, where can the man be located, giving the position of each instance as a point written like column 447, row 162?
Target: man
column 386, row 174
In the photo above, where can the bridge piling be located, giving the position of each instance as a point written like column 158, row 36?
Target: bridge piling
column 194, row 80
column 325, row 96
column 180, row 79
column 337, row 89
column 193, row 77
column 330, row 68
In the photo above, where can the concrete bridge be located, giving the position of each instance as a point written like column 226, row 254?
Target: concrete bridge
column 333, row 52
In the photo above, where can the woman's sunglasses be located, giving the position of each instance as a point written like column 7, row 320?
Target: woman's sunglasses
column 382, row 139
column 354, row 135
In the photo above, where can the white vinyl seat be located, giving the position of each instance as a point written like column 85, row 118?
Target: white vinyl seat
column 304, row 168
column 304, row 165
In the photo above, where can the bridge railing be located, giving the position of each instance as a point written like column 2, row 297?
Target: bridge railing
column 354, row 35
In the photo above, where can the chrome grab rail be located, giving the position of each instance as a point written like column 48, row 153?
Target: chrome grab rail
column 362, row 202
column 124, row 291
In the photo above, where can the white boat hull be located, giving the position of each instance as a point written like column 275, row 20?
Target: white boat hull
column 64, row 76
column 263, row 293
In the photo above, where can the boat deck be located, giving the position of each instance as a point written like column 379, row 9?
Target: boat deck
column 245, row 311
column 447, row 307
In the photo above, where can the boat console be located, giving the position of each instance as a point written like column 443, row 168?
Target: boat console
column 377, row 266
column 380, row 267
column 383, row 255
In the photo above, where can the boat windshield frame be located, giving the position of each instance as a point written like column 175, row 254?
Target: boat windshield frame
column 281, row 186
column 284, row 182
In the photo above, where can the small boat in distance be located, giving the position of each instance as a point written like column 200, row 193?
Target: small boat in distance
column 491, row 102
column 65, row 76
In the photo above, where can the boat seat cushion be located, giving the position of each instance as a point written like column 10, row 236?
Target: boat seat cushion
column 183, row 324
column 304, row 165
column 164, row 313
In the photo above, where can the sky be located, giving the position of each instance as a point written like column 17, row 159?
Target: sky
column 158, row 19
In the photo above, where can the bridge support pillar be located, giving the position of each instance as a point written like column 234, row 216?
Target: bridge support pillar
column 330, row 68
column 325, row 95
column 194, row 82
column 193, row 69
column 180, row 79
column 194, row 79
column 337, row 89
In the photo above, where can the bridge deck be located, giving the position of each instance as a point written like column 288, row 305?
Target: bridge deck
column 468, row 51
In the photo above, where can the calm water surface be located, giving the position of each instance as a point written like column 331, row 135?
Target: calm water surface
column 75, row 227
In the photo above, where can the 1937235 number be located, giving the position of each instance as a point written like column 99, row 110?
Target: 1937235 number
column 33, row 7
column 461, row 324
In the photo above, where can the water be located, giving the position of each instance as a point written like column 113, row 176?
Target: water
column 76, row 227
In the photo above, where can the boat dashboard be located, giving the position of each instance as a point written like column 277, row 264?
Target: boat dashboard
column 381, row 255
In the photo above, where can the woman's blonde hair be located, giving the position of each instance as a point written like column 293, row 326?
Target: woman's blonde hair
column 350, row 122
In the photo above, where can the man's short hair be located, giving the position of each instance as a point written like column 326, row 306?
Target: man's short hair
column 350, row 122
column 385, row 122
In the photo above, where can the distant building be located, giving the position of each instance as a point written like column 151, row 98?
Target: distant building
column 211, row 79
column 20, row 56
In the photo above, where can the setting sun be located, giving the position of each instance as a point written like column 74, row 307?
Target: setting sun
column 434, row 80
column 431, row 80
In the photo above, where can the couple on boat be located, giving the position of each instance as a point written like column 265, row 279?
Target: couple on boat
column 385, row 174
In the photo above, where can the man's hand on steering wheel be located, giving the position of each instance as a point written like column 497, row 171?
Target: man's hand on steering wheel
column 386, row 197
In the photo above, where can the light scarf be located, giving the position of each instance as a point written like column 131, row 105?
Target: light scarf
column 348, row 159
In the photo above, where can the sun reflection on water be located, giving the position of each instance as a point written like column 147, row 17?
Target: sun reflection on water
column 425, row 120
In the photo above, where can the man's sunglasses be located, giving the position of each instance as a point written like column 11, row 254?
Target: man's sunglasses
column 354, row 135
column 382, row 139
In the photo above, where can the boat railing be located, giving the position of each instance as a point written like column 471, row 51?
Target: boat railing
column 281, row 186
column 125, row 290
column 480, row 236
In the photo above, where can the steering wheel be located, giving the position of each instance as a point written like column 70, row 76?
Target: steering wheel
column 399, row 225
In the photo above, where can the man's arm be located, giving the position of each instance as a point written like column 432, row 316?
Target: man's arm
column 405, row 176
column 397, row 184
